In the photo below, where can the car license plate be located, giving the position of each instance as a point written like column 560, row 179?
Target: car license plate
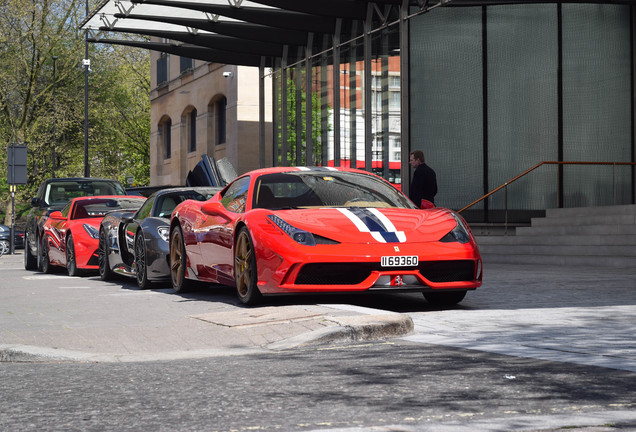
column 399, row 261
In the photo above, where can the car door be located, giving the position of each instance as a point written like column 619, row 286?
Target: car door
column 217, row 230
column 56, row 232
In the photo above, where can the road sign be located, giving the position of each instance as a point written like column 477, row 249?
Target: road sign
column 17, row 164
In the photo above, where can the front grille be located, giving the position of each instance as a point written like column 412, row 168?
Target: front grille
column 355, row 273
column 448, row 271
column 334, row 273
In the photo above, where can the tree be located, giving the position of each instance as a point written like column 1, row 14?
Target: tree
column 32, row 32
column 292, row 117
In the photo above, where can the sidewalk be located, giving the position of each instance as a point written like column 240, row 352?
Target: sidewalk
column 59, row 318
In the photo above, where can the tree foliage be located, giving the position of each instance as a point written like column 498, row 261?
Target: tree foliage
column 32, row 33
column 295, row 98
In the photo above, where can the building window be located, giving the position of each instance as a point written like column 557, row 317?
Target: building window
column 165, row 130
column 192, row 130
column 186, row 64
column 221, row 107
column 162, row 69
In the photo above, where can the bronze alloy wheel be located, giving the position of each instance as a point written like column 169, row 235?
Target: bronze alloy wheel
column 140, row 261
column 245, row 269
column 178, row 262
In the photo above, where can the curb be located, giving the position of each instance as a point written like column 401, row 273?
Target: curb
column 351, row 329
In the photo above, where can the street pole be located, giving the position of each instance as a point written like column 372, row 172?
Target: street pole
column 87, row 68
column 12, row 230
column 53, row 165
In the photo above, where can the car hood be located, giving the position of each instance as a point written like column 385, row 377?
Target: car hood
column 373, row 225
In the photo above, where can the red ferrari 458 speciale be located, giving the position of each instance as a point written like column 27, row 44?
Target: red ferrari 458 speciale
column 70, row 236
column 300, row 230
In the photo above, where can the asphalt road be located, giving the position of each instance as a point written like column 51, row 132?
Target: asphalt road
column 534, row 349
column 391, row 386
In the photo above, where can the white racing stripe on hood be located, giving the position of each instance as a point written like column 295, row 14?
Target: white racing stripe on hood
column 367, row 218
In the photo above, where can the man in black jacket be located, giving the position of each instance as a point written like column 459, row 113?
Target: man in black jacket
column 424, row 183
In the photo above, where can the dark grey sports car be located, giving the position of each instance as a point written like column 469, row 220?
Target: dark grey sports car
column 136, row 244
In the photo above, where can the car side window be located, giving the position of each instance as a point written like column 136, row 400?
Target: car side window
column 65, row 211
column 144, row 211
column 235, row 196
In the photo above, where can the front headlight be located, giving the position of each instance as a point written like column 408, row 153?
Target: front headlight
column 459, row 234
column 164, row 232
column 92, row 231
column 300, row 236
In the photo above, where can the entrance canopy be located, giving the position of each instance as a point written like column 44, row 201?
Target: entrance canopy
column 223, row 31
column 249, row 32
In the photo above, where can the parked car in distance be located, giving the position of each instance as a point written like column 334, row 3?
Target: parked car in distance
column 136, row 244
column 5, row 239
column 321, row 230
column 70, row 236
column 53, row 194
column 145, row 191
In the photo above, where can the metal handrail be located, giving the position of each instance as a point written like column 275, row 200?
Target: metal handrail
column 514, row 179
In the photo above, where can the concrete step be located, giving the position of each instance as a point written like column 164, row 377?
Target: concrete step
column 594, row 236
column 558, row 240
column 574, row 230
column 591, row 211
column 563, row 260
column 523, row 249
column 607, row 219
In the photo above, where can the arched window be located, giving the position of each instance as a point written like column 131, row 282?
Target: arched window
column 220, row 109
column 192, row 131
column 165, row 137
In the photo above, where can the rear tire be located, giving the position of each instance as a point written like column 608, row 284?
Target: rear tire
column 105, row 273
column 178, row 262
column 30, row 260
column 5, row 247
column 45, row 263
column 450, row 298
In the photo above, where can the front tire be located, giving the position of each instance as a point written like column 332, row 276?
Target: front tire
column 178, row 262
column 140, row 261
column 71, row 259
column 105, row 273
column 450, row 298
column 245, row 274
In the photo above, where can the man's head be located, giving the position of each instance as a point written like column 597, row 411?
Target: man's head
column 416, row 158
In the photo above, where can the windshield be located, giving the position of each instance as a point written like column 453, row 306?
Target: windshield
column 94, row 208
column 58, row 193
column 307, row 189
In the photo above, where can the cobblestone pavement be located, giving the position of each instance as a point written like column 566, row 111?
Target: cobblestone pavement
column 578, row 315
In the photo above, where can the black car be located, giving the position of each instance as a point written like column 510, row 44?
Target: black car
column 53, row 194
column 136, row 244
column 5, row 239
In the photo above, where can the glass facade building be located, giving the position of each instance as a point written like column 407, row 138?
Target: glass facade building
column 488, row 92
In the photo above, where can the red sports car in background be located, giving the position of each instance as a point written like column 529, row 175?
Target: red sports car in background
column 298, row 230
column 70, row 236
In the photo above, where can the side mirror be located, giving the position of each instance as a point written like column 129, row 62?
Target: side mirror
column 35, row 202
column 127, row 219
column 212, row 208
column 426, row 204
column 57, row 215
